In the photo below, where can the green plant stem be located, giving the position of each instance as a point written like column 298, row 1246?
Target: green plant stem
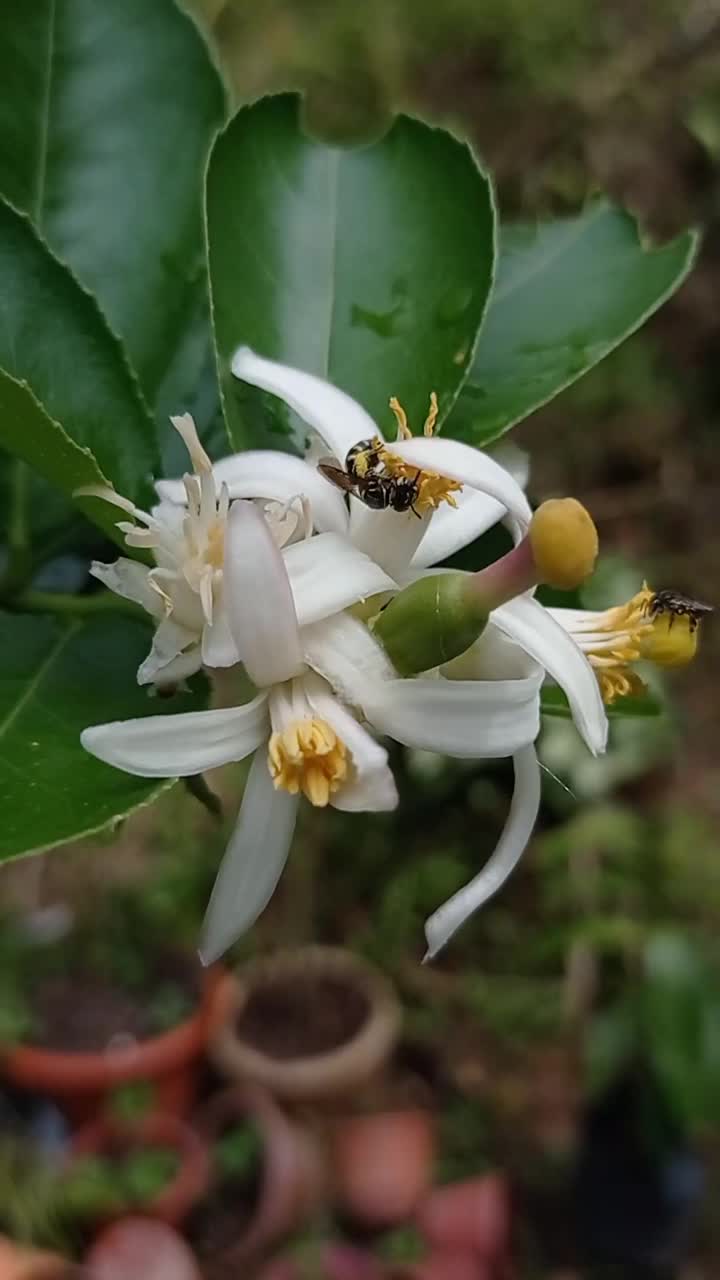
column 75, row 606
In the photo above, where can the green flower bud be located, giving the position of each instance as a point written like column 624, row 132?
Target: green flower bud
column 433, row 620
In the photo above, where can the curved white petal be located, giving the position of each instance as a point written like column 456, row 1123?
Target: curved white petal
column 372, row 787
column 493, row 656
column 253, row 861
column 180, row 745
column 442, row 924
column 343, row 651
column 451, row 528
column 131, row 580
column 327, row 574
column 465, row 718
column 218, row 646
column 460, row 461
column 531, row 625
column 339, row 419
column 390, row 538
column 258, row 600
column 170, row 643
column 278, row 477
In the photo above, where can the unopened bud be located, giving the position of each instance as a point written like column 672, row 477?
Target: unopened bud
column 564, row 543
column 432, row 621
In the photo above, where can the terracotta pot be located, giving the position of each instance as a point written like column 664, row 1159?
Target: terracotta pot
column 445, row 1264
column 80, row 1082
column 311, row 1075
column 18, row 1262
column 383, row 1164
column 472, row 1214
column 140, row 1249
column 106, row 1135
column 292, row 1182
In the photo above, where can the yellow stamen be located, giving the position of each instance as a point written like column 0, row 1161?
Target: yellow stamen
column 432, row 488
column 308, row 756
column 564, row 543
column 404, row 432
column 631, row 632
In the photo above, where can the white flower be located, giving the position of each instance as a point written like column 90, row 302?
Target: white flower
column 465, row 491
column 305, row 738
column 318, row 681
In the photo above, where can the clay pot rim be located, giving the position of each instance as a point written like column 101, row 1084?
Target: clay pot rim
column 62, row 1072
column 192, row 1178
column 330, row 1071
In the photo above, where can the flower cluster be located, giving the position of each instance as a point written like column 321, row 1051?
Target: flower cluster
column 349, row 634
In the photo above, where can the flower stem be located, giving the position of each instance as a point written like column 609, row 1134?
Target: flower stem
column 79, row 606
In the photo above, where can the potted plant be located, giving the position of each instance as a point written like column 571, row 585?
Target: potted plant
column 268, row 1177
column 94, row 1010
column 309, row 1024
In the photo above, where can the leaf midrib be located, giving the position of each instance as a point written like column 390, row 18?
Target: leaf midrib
column 33, row 685
column 575, row 233
column 39, row 200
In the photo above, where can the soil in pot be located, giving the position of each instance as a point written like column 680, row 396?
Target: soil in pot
column 230, row 1206
column 88, row 1014
column 301, row 1016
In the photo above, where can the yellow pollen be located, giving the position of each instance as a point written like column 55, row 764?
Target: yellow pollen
column 308, row 756
column 619, row 682
column 564, row 543
column 432, row 488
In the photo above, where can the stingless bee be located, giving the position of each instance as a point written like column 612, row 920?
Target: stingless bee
column 363, row 477
column 678, row 606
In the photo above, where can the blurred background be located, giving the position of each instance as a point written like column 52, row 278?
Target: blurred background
column 544, row 1099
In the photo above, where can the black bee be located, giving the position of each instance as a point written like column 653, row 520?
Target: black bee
column 364, row 477
column 678, row 606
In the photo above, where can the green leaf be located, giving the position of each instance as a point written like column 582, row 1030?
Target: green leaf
column 106, row 117
column 370, row 267
column 54, row 339
column 566, row 293
column 554, row 703
column 55, row 679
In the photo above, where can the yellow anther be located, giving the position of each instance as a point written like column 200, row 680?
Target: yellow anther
column 619, row 682
column 564, row 543
column 404, row 432
column 429, row 425
column 308, row 756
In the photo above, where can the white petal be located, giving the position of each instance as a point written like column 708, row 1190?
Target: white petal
column 493, row 656
column 327, row 574
column 180, row 745
column 253, row 861
column 391, row 538
column 464, row 718
column 130, row 580
column 442, row 924
column 218, row 646
column 531, row 626
column 339, row 419
column 170, row 642
column 372, row 788
column 258, row 599
column 450, row 528
column 343, row 651
column 277, row 477
column 460, row 461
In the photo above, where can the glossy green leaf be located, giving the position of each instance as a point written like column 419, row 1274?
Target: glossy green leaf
column 106, row 115
column 370, row 266
column 566, row 293
column 55, row 679
column 54, row 339
column 554, row 703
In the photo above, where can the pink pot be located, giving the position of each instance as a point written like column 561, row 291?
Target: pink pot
column 445, row 1264
column 468, row 1215
column 292, row 1182
column 139, row 1247
column 383, row 1164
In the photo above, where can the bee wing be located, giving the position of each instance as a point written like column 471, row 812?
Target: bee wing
column 335, row 474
